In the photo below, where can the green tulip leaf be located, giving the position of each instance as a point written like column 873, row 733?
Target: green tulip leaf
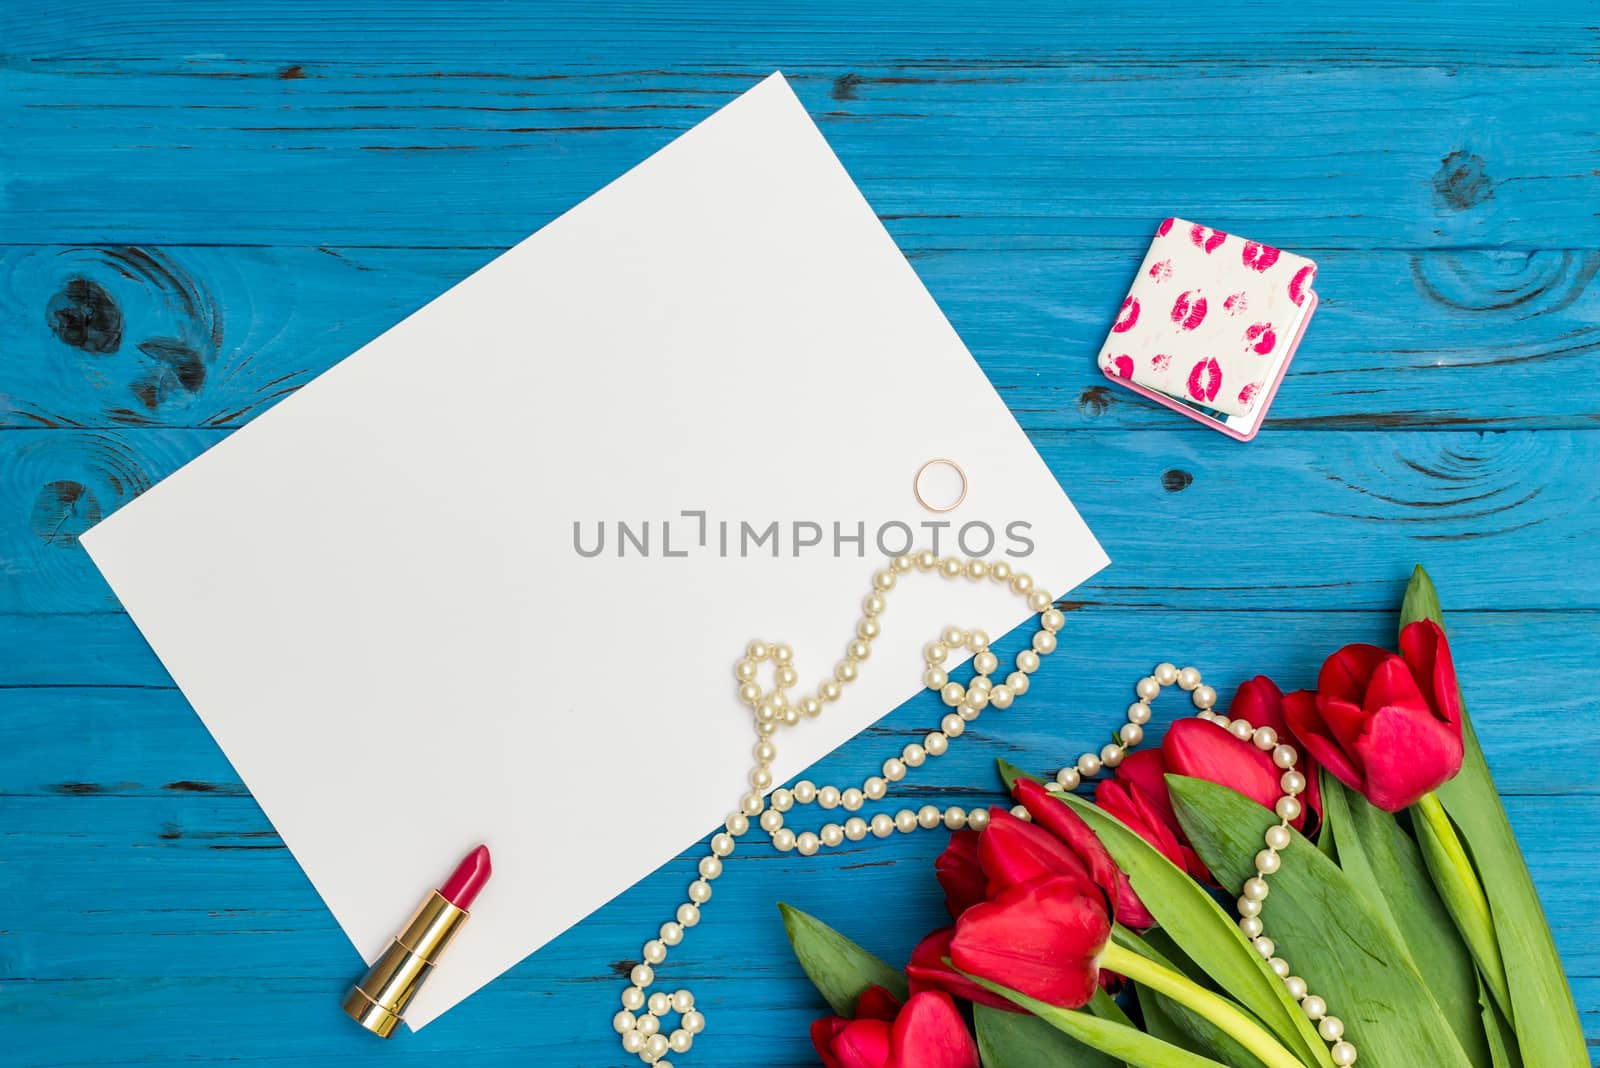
column 1503, row 1051
column 1197, row 924
column 1543, row 1015
column 1118, row 1040
column 1178, row 1024
column 839, row 969
column 1012, row 1040
column 1331, row 935
column 1387, row 869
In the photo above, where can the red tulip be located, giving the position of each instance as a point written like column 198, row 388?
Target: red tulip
column 1137, row 795
column 1041, row 938
column 1202, row 750
column 927, row 970
column 927, row 1032
column 1388, row 726
column 960, row 874
column 1086, row 855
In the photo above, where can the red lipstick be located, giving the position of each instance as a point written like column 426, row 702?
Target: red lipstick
column 378, row 1002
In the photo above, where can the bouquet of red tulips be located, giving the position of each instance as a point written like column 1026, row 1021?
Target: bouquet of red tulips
column 1130, row 931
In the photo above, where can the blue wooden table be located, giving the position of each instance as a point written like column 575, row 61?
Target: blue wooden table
column 204, row 205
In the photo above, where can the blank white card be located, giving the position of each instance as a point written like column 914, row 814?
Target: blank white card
column 389, row 600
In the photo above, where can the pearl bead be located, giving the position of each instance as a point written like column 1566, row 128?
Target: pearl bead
column 1052, row 619
column 767, row 730
column 688, row 915
column 985, row 663
column 955, row 817
column 1250, row 925
column 935, row 653
column 857, row 650
column 978, row 641
column 831, row 834
column 977, row 569
column 749, row 693
column 806, row 844
column 1248, row 906
column 1265, row 738
column 671, row 933
column 951, row 568
column 936, row 744
column 1288, row 808
column 1331, row 1028
column 1147, row 688
column 632, row 1042
column 828, row 691
column 954, row 637
column 1039, row 600
column 980, row 682
column 642, row 975
column 757, row 651
column 874, row 604
column 745, row 670
column 1188, row 678
column 883, row 580
column 1088, row 764
column 680, row 1042
column 935, row 678
column 1204, row 697
column 902, row 563
column 783, row 840
column 828, row 797
column 952, row 693
column 1268, row 862
column 1044, row 643
column 905, row 821
column 953, row 725
column 737, row 824
column 1314, row 1007
column 1265, row 946
column 782, row 653
column 1240, row 730
column 752, row 804
column 1343, row 1053
column 868, row 628
column 1069, row 778
column 894, row 769
column 699, row 891
column 764, row 752
column 845, row 671
column 760, row 777
column 656, row 1046
column 622, row 1022
column 873, row 790
column 978, row 819
column 660, row 1004
column 914, row 755
column 791, row 716
column 1021, row 812
column 1028, row 661
column 1256, row 888
column 855, row 828
column 1018, row 683
column 1285, row 757
column 781, row 800
column 1296, row 987
column 926, row 560
column 1000, row 572
column 633, row 998
column 882, row 825
column 978, row 698
column 693, row 1022
column 1139, row 712
column 1131, row 734
column 1021, row 584
column 1292, row 782
column 1278, row 837
column 852, row 799
column 1001, row 697
column 1111, row 755
column 710, row 868
column 1166, row 674
column 1279, row 966
column 805, row 792
column 786, row 677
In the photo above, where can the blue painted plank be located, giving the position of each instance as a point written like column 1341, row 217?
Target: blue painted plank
column 212, row 336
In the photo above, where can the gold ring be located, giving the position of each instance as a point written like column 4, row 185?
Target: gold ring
column 916, row 485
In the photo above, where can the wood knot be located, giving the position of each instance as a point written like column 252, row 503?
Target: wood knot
column 1094, row 401
column 1175, row 480
column 1461, row 182
column 844, row 86
column 82, row 314
column 63, row 510
column 292, row 73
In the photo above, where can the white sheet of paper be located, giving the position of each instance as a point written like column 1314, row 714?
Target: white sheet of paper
column 372, row 597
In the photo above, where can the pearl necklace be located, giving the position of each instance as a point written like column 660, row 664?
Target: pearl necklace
column 639, row 1022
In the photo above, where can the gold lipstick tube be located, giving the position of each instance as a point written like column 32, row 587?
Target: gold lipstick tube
column 378, row 1002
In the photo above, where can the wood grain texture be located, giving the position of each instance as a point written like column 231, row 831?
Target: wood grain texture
column 204, row 206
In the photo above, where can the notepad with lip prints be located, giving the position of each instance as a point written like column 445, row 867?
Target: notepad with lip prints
column 1210, row 325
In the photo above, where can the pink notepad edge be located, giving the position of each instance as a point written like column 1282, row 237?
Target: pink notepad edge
column 1214, row 423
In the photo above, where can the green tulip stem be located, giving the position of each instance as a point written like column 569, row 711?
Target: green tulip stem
column 1462, row 893
column 1186, row 992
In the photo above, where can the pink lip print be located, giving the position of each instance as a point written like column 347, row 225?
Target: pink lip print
column 1161, row 361
column 1210, row 240
column 1236, row 303
column 1122, row 365
column 1205, row 379
column 1127, row 317
column 1262, row 336
column 1297, row 284
column 1259, row 257
column 1189, row 313
column 1165, row 227
column 1248, row 392
column 1161, row 271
